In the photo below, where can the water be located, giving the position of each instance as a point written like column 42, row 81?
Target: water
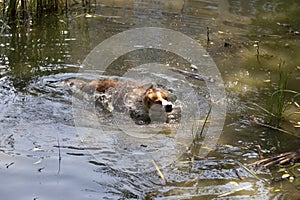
column 38, row 113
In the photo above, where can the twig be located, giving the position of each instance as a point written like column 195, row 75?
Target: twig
column 192, row 75
column 59, row 155
column 236, row 190
column 202, row 129
column 279, row 159
column 9, row 164
column 207, row 34
column 256, row 45
column 79, row 148
column 160, row 173
column 238, row 174
column 261, row 156
column 258, row 121
column 268, row 112
column 248, row 170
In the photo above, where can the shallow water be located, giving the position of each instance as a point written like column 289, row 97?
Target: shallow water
column 47, row 154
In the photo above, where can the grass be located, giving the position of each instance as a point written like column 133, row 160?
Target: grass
column 280, row 104
column 280, row 99
column 199, row 132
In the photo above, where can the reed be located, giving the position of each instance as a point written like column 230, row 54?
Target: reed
column 13, row 10
column 277, row 103
column 280, row 99
column 199, row 131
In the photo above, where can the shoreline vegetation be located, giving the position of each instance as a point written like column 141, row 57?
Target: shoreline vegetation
column 20, row 10
column 24, row 9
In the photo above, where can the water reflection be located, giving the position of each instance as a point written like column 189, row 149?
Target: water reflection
column 36, row 114
column 32, row 50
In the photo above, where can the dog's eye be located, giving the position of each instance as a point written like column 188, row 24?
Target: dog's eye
column 154, row 99
column 158, row 102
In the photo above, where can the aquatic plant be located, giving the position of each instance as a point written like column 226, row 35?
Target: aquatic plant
column 277, row 103
column 23, row 9
column 282, row 105
column 14, row 9
column 199, row 131
column 280, row 99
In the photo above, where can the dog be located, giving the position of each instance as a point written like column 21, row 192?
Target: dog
column 143, row 103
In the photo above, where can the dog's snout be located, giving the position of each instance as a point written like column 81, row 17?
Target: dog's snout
column 169, row 108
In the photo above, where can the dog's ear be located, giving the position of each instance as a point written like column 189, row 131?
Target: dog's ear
column 149, row 88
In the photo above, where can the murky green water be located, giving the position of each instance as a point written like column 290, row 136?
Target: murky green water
column 37, row 113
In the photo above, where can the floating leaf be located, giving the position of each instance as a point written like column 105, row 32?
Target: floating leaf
column 205, row 147
column 62, row 21
column 194, row 67
column 38, row 162
column 37, row 149
column 228, row 146
column 285, row 176
column 236, row 190
column 88, row 15
column 234, row 183
column 281, row 170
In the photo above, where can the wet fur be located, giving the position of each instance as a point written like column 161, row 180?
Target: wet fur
column 137, row 99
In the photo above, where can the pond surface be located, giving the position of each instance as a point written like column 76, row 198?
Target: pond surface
column 49, row 142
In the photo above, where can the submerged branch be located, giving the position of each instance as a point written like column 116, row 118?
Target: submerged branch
column 262, row 123
column 160, row 172
column 283, row 158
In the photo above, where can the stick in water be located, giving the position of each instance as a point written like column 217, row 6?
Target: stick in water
column 160, row 173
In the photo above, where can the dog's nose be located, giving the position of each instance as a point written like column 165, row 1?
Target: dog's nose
column 168, row 108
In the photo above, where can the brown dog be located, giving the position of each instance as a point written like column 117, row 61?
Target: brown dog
column 96, row 85
column 137, row 99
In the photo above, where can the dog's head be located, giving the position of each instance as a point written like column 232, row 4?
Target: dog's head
column 157, row 97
